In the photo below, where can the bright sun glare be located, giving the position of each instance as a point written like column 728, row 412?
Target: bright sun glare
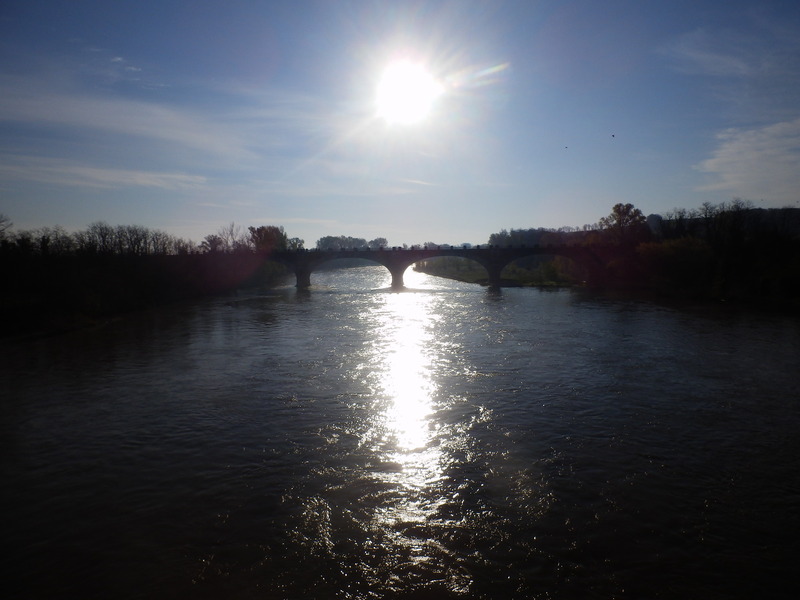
column 406, row 93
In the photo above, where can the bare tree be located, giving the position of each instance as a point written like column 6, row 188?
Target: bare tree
column 212, row 243
column 136, row 239
column 55, row 240
column 100, row 237
column 229, row 234
column 160, row 242
column 5, row 224
column 182, row 246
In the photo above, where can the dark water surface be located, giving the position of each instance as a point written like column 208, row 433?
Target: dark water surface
column 443, row 442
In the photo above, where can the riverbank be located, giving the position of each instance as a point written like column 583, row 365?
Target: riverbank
column 48, row 295
column 664, row 295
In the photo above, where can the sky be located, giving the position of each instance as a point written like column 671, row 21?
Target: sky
column 185, row 116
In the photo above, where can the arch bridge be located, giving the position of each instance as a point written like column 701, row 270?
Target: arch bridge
column 397, row 260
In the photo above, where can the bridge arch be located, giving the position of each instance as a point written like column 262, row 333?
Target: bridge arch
column 397, row 260
column 457, row 267
column 337, row 261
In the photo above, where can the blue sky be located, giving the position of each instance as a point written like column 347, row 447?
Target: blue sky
column 188, row 115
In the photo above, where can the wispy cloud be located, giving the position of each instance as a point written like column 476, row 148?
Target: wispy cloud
column 69, row 173
column 712, row 54
column 188, row 124
column 754, row 71
column 420, row 182
column 29, row 102
column 759, row 163
column 754, row 74
column 307, row 221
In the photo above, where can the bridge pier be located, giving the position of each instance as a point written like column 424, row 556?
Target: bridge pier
column 302, row 274
column 397, row 276
column 494, row 275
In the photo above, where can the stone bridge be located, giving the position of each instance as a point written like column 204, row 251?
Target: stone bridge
column 397, row 260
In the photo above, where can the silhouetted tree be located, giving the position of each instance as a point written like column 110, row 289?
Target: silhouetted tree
column 5, row 225
column 159, row 242
column 234, row 238
column 733, row 219
column 100, row 238
column 622, row 215
column 294, row 243
column 530, row 237
column 626, row 223
column 339, row 242
column 181, row 246
column 55, row 241
column 212, row 243
column 678, row 223
column 132, row 240
column 268, row 238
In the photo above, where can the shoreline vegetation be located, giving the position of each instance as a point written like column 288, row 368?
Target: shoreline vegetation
column 56, row 294
column 54, row 281
column 731, row 253
column 545, row 274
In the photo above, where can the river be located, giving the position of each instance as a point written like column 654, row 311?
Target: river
column 446, row 441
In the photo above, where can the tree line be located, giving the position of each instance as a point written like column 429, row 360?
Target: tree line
column 729, row 251
column 136, row 240
column 53, row 278
column 100, row 238
column 346, row 242
column 732, row 250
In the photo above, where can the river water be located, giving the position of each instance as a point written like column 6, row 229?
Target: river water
column 446, row 441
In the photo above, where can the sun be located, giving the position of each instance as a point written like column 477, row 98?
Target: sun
column 406, row 93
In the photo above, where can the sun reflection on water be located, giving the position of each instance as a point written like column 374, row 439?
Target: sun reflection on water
column 406, row 377
column 408, row 390
column 406, row 438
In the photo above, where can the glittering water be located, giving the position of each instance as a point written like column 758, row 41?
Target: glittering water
column 446, row 441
